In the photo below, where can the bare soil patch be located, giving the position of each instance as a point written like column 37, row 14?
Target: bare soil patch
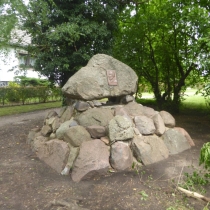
column 26, row 183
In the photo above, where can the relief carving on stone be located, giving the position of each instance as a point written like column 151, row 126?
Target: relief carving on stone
column 111, row 77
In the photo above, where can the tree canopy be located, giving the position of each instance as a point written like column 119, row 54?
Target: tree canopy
column 166, row 42
column 9, row 12
column 67, row 33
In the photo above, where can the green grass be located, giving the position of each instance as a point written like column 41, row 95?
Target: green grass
column 28, row 108
column 192, row 103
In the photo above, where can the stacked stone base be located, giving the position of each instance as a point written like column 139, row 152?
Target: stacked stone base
column 89, row 138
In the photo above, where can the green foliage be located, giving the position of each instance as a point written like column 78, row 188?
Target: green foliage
column 25, row 94
column 12, row 94
column 205, row 155
column 9, row 12
column 205, row 91
column 66, row 34
column 144, row 195
column 27, row 81
column 166, row 43
column 196, row 181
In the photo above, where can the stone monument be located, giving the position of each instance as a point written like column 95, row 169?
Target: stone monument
column 103, row 128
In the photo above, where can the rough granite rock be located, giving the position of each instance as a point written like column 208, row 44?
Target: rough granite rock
column 67, row 115
column 120, row 129
column 38, row 142
column 121, row 156
column 95, row 116
column 97, row 103
column 119, row 110
column 145, row 125
column 76, row 135
column 81, row 106
column 55, row 153
column 126, row 99
column 50, row 121
column 134, row 109
column 168, row 119
column 149, row 149
column 62, row 110
column 93, row 159
column 105, row 139
column 52, row 136
column 91, row 81
column 186, row 135
column 51, row 114
column 46, row 130
column 148, row 111
column 62, row 129
column 56, row 124
column 175, row 141
column 96, row 131
column 159, row 124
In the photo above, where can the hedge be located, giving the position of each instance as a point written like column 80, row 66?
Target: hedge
column 41, row 94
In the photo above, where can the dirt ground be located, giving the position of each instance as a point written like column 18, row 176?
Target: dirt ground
column 28, row 183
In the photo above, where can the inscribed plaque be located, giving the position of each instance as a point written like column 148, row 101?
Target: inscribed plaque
column 111, row 77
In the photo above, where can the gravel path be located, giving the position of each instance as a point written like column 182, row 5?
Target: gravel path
column 23, row 118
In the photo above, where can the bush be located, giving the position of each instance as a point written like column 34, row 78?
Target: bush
column 23, row 94
column 205, row 155
column 12, row 92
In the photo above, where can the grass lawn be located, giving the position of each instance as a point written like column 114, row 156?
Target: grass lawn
column 192, row 102
column 28, row 108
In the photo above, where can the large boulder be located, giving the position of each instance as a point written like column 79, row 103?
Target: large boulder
column 67, row 114
column 81, row 106
column 159, row 124
column 175, row 141
column 38, row 142
column 95, row 116
column 168, row 119
column 120, row 129
column 149, row 149
column 46, row 130
column 76, row 135
column 93, row 159
column 119, row 110
column 103, row 77
column 63, row 128
column 55, row 153
column 50, row 114
column 134, row 109
column 56, row 124
column 96, row 131
column 121, row 156
column 145, row 125
column 186, row 135
column 148, row 111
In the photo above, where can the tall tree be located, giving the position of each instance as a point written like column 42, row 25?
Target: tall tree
column 9, row 12
column 165, row 42
column 66, row 33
